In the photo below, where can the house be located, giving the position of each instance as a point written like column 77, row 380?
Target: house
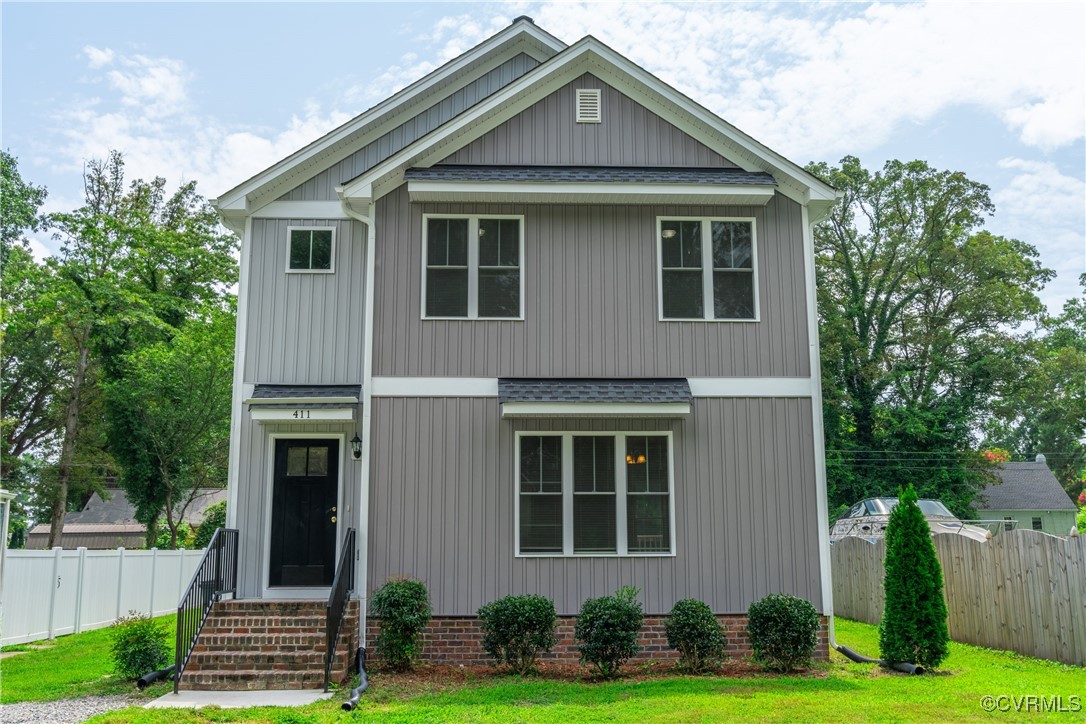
column 109, row 521
column 1028, row 497
column 537, row 323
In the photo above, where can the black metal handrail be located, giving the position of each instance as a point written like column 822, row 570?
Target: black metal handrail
column 342, row 587
column 216, row 575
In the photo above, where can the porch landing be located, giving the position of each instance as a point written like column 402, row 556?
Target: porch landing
column 238, row 699
column 260, row 645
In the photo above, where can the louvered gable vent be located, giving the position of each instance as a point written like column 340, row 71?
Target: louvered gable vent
column 588, row 106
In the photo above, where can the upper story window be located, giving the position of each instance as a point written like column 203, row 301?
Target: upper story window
column 473, row 267
column 594, row 494
column 311, row 249
column 708, row 269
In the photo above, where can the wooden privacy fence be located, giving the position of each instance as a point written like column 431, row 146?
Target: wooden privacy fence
column 1021, row 591
column 56, row 592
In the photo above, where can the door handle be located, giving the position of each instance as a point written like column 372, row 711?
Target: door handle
column 333, row 519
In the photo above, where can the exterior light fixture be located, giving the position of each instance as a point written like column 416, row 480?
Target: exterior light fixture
column 356, row 447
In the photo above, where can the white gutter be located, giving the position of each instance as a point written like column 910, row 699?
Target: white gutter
column 367, row 408
column 821, row 501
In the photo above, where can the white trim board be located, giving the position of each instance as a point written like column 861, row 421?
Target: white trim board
column 595, row 409
column 301, row 210
column 302, row 415
column 488, row 386
column 590, row 193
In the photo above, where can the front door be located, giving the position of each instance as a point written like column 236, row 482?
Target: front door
column 304, row 499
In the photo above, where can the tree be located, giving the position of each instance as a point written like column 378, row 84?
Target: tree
column 915, row 302
column 913, row 627
column 134, row 266
column 32, row 362
column 178, row 394
column 1043, row 410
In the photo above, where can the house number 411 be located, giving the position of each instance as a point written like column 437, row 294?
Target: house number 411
column 301, row 414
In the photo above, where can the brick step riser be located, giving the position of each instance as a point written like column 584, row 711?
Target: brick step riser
column 253, row 681
column 296, row 621
column 256, row 609
column 256, row 659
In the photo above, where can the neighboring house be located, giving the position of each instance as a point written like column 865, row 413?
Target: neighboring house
column 110, row 521
column 1029, row 497
column 568, row 315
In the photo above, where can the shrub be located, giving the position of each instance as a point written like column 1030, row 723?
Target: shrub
column 139, row 645
column 1080, row 521
column 214, row 518
column 403, row 606
column 517, row 628
column 783, row 631
column 607, row 628
column 692, row 628
column 913, row 627
column 184, row 537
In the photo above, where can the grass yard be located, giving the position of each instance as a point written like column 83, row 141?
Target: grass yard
column 71, row 666
column 840, row 691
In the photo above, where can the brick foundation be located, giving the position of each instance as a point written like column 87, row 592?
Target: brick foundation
column 458, row 640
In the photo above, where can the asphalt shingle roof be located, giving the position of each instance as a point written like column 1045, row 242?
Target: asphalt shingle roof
column 1025, row 486
column 591, row 174
column 279, row 392
column 654, row 390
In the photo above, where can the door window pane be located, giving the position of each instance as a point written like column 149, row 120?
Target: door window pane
column 296, row 458
column 318, row 461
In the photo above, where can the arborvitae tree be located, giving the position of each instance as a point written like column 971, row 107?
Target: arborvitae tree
column 913, row 627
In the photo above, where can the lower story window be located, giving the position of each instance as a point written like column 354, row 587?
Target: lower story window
column 585, row 494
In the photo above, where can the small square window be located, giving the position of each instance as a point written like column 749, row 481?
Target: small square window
column 311, row 250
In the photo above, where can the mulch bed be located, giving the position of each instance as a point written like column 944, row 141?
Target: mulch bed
column 434, row 677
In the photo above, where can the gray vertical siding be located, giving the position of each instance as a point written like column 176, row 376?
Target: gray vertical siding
column 304, row 328
column 547, row 134
column 322, row 186
column 254, row 490
column 590, row 300
column 441, row 507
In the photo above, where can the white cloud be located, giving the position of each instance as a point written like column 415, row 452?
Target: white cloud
column 1044, row 207
column 146, row 113
column 813, row 81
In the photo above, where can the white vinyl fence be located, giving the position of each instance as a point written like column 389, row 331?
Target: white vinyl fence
column 57, row 592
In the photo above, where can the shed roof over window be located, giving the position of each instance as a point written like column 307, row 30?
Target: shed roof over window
column 589, row 184
column 594, row 397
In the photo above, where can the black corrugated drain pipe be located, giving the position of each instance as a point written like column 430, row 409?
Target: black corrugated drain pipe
column 363, row 683
column 861, row 659
column 147, row 679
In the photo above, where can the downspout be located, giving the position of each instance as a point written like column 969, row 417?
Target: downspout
column 821, row 497
column 367, row 395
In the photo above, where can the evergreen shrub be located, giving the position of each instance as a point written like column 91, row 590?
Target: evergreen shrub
column 607, row 629
column 693, row 630
column 403, row 607
column 517, row 628
column 783, row 632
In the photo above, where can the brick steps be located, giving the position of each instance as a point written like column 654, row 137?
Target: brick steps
column 252, row 645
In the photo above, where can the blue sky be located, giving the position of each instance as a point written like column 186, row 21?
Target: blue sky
column 218, row 91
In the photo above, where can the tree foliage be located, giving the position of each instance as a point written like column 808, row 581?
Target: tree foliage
column 913, row 627
column 917, row 306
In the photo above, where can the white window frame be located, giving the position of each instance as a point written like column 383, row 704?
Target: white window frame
column 621, row 542
column 332, row 252
column 473, row 265
column 706, row 268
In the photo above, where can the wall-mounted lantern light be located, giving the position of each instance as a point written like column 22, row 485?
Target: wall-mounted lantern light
column 356, row 447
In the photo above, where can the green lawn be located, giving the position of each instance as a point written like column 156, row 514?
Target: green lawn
column 840, row 691
column 71, row 666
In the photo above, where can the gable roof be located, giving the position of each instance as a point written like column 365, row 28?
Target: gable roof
column 559, row 64
column 522, row 36
column 592, row 56
column 1025, row 486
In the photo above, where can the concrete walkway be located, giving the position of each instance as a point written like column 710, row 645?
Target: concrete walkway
column 238, row 699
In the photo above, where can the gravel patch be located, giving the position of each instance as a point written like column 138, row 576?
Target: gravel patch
column 64, row 711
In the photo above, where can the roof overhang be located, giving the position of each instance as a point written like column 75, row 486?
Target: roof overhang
column 594, row 397
column 304, row 403
column 590, row 193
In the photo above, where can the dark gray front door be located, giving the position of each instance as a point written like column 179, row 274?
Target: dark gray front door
column 303, row 529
